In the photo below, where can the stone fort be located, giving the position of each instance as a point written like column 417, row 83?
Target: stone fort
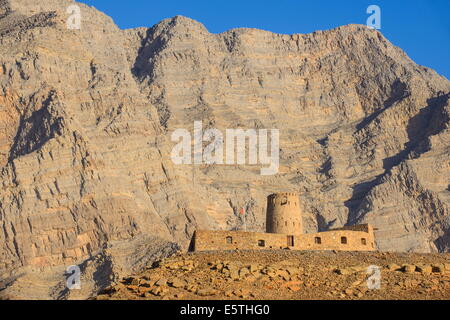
column 284, row 230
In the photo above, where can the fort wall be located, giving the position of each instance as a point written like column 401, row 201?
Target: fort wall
column 356, row 238
column 284, row 230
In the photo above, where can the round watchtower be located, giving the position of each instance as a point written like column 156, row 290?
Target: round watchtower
column 284, row 214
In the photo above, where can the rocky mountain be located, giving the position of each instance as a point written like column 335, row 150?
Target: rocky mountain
column 86, row 118
column 288, row 275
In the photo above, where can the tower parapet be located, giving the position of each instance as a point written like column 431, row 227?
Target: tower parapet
column 284, row 214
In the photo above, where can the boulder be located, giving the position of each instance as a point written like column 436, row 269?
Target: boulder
column 408, row 268
column 177, row 283
column 206, row 292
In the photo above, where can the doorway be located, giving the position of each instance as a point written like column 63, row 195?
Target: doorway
column 290, row 241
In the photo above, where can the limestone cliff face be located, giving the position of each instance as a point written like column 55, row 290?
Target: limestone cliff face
column 86, row 118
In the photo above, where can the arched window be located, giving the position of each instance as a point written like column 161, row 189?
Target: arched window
column 344, row 240
column 363, row 241
column 261, row 243
column 317, row 240
column 229, row 239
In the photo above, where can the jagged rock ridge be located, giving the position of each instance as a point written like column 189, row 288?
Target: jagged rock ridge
column 86, row 117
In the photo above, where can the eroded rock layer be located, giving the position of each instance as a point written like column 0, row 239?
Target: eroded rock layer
column 86, row 118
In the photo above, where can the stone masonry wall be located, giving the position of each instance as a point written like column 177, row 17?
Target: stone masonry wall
column 360, row 240
column 284, row 214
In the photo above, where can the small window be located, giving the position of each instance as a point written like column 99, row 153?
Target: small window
column 261, row 243
column 229, row 239
column 317, row 240
column 344, row 240
column 363, row 241
column 285, row 223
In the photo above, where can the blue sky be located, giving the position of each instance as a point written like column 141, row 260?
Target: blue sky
column 420, row 27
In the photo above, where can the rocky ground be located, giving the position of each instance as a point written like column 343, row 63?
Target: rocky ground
column 281, row 274
column 86, row 124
